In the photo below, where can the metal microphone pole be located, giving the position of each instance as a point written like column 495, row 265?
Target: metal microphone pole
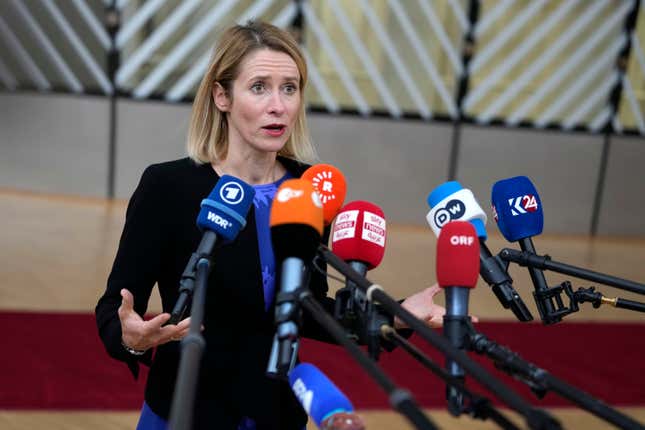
column 596, row 299
column 536, row 418
column 530, row 259
column 480, row 407
column 192, row 350
column 400, row 399
column 542, row 381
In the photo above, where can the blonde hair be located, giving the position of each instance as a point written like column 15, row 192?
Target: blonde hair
column 208, row 129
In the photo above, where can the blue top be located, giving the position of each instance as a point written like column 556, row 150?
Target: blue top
column 262, row 201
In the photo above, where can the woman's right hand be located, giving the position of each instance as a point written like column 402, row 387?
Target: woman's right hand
column 140, row 334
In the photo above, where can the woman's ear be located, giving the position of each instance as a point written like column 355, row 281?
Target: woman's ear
column 220, row 98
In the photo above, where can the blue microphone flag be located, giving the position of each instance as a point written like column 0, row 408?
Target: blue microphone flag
column 319, row 397
column 452, row 202
column 224, row 210
column 517, row 208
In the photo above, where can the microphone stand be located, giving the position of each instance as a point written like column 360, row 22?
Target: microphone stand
column 187, row 280
column 536, row 418
column 362, row 318
column 480, row 407
column 542, row 381
column 596, row 299
column 400, row 399
column 494, row 273
column 532, row 260
column 192, row 350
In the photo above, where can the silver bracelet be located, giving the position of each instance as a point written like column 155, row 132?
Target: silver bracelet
column 132, row 350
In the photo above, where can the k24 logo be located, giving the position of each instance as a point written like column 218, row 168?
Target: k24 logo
column 523, row 204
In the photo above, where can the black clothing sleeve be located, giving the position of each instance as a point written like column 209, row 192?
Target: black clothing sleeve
column 135, row 267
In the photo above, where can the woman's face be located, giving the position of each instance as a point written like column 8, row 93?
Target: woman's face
column 265, row 101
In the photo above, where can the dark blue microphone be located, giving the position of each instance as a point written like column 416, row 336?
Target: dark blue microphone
column 322, row 399
column 518, row 211
column 223, row 213
column 452, row 202
column 222, row 216
column 518, row 208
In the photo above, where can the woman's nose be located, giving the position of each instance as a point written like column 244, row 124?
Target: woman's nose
column 276, row 104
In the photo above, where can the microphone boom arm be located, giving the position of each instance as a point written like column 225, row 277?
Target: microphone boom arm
column 530, row 259
column 480, row 407
column 400, row 399
column 536, row 418
column 542, row 381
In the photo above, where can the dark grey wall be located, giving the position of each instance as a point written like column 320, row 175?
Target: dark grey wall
column 623, row 203
column 394, row 164
column 563, row 167
column 147, row 133
column 54, row 144
column 59, row 144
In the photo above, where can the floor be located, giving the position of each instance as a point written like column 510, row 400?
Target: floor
column 56, row 252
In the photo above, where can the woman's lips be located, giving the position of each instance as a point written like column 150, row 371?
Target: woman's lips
column 274, row 130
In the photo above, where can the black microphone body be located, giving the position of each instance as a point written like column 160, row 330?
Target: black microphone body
column 454, row 329
column 351, row 300
column 493, row 272
column 361, row 317
column 284, row 350
column 187, row 280
column 542, row 299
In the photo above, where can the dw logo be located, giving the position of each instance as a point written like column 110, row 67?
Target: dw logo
column 454, row 209
column 232, row 193
column 523, row 204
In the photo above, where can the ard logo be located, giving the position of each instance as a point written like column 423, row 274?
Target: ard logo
column 231, row 193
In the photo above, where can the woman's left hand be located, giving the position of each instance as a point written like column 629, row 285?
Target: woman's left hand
column 422, row 306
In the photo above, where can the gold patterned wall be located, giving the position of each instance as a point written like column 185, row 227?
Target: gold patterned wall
column 545, row 63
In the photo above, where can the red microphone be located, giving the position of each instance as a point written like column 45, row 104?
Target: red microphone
column 358, row 237
column 457, row 272
column 330, row 184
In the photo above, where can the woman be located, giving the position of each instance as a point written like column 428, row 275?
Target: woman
column 248, row 121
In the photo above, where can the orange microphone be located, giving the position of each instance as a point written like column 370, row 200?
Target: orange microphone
column 296, row 222
column 330, row 183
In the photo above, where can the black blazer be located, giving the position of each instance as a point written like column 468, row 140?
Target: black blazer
column 157, row 240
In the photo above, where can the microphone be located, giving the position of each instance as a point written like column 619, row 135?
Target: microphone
column 450, row 201
column 517, row 208
column 330, row 184
column 358, row 237
column 296, row 222
column 457, row 270
column 222, row 215
column 322, row 400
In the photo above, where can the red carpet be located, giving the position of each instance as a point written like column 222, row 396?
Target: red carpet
column 56, row 361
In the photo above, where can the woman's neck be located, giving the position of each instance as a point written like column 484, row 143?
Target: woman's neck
column 252, row 168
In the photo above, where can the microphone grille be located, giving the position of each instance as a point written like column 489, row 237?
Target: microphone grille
column 330, row 184
column 457, row 255
column 359, row 233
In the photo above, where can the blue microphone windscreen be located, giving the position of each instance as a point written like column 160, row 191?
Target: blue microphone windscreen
column 452, row 202
column 443, row 191
column 224, row 210
column 319, row 397
column 517, row 208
